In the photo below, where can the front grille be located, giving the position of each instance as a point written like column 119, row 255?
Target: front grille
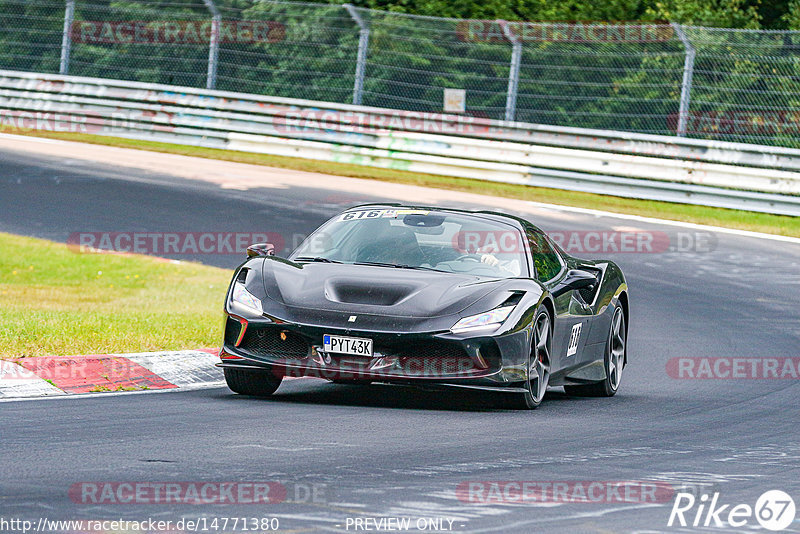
column 431, row 351
column 268, row 342
column 434, row 358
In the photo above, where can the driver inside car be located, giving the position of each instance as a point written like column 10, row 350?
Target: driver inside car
column 511, row 267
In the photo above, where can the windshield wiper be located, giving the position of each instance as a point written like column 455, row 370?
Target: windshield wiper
column 398, row 266
column 318, row 259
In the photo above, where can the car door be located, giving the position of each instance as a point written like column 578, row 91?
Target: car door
column 573, row 315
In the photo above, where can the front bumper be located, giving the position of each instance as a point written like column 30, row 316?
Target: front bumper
column 425, row 357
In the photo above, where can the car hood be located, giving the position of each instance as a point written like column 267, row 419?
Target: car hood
column 375, row 290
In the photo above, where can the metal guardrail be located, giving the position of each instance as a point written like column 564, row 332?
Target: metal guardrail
column 750, row 177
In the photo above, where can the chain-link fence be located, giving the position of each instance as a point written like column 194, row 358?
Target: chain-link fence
column 735, row 85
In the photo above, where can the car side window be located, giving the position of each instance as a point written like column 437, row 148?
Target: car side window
column 545, row 258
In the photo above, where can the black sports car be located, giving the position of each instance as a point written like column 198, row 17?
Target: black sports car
column 415, row 295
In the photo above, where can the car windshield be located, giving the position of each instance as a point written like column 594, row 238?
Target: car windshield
column 418, row 239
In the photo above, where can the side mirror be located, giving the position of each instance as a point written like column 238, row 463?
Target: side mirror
column 575, row 279
column 260, row 249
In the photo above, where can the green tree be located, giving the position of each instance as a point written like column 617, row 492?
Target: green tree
column 792, row 16
column 714, row 13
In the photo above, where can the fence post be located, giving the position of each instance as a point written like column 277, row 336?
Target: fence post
column 513, row 73
column 66, row 38
column 213, row 46
column 361, row 60
column 686, row 85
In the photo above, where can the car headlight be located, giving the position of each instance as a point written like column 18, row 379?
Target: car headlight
column 492, row 318
column 242, row 297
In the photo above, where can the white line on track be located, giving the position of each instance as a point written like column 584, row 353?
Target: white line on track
column 654, row 220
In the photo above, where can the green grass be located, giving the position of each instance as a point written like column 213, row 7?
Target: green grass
column 54, row 301
column 757, row 222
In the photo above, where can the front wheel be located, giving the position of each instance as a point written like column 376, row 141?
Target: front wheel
column 538, row 366
column 258, row 382
column 615, row 356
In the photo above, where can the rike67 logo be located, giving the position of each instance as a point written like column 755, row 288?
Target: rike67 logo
column 774, row 510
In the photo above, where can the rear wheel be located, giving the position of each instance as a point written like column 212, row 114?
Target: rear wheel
column 258, row 383
column 538, row 366
column 614, row 362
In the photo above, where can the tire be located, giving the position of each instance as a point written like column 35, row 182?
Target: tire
column 258, row 383
column 538, row 366
column 614, row 360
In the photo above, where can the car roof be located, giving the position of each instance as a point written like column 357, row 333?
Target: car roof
column 495, row 215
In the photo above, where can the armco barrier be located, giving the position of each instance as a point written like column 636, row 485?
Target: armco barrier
column 750, row 177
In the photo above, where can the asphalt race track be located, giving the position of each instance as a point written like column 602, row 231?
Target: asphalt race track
column 385, row 451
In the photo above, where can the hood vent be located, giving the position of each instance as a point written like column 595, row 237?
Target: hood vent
column 513, row 299
column 360, row 292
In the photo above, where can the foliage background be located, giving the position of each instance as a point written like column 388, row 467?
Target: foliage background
column 746, row 81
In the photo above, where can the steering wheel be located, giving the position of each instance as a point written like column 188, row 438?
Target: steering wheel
column 470, row 257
